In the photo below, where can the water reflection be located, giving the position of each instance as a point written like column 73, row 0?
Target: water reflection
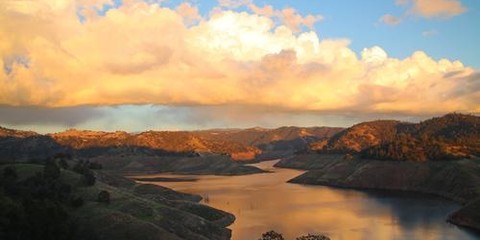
column 264, row 202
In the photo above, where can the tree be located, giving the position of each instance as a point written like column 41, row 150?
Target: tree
column 63, row 163
column 51, row 170
column 271, row 235
column 10, row 173
column 89, row 178
column 313, row 237
column 95, row 165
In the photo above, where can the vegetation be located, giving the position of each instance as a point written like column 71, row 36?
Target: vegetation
column 104, row 197
column 451, row 137
column 84, row 168
column 35, row 207
column 272, row 235
column 38, row 203
column 313, row 237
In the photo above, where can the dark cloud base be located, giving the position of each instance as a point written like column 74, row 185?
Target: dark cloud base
column 67, row 117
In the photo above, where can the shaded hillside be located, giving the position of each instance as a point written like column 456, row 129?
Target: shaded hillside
column 118, row 155
column 61, row 206
column 453, row 136
column 273, row 143
column 213, row 164
column 469, row 216
column 245, row 144
column 171, row 142
column 457, row 180
column 28, row 148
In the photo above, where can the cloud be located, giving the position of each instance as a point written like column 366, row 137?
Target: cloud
column 429, row 33
column 65, row 117
column 389, row 19
column 143, row 53
column 434, row 8
column 233, row 3
column 189, row 13
column 294, row 21
column 287, row 16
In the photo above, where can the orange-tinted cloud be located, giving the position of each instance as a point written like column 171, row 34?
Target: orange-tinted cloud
column 434, row 8
column 390, row 19
column 144, row 53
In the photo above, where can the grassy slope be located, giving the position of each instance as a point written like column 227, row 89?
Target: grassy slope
column 138, row 212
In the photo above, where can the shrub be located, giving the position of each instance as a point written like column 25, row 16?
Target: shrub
column 77, row 202
column 95, row 165
column 89, row 178
column 103, row 197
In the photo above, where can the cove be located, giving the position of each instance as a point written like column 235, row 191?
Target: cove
column 263, row 202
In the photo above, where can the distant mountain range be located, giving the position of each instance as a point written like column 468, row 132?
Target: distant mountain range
column 453, row 136
column 245, row 144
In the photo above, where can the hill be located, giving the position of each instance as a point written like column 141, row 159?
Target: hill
column 272, row 143
column 453, row 136
column 36, row 204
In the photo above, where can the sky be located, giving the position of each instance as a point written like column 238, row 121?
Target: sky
column 139, row 65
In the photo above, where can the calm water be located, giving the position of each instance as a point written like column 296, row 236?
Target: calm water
column 264, row 202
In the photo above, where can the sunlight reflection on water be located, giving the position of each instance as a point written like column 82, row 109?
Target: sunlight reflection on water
column 263, row 202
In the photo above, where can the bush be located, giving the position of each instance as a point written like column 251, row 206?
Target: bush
column 89, row 178
column 95, row 166
column 77, row 202
column 103, row 197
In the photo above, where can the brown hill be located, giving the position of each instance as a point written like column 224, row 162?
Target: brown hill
column 5, row 132
column 453, row 136
column 160, row 141
column 360, row 137
column 273, row 143
column 245, row 144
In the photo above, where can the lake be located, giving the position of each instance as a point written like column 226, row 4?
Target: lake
column 264, row 202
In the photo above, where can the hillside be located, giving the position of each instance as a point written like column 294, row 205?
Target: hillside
column 162, row 142
column 273, row 143
column 453, row 136
column 75, row 210
column 123, row 152
column 456, row 180
column 248, row 144
column 360, row 137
